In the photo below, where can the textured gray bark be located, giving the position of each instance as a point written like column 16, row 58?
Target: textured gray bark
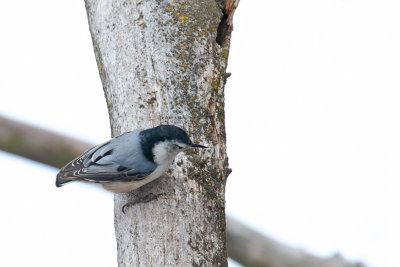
column 159, row 63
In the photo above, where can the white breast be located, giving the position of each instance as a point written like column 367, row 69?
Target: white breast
column 125, row 187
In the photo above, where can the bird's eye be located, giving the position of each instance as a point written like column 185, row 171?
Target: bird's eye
column 180, row 147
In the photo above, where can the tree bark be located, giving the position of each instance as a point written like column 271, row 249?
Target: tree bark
column 160, row 63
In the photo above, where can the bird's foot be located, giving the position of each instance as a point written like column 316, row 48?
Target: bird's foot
column 144, row 199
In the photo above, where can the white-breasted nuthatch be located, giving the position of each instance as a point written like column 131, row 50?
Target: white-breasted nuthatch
column 128, row 161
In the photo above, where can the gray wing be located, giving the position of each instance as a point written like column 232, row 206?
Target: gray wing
column 118, row 160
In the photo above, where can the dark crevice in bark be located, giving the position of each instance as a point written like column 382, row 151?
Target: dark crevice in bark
column 223, row 29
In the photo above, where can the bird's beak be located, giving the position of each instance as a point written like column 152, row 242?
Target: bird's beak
column 197, row 145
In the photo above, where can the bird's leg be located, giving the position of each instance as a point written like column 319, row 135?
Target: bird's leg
column 144, row 199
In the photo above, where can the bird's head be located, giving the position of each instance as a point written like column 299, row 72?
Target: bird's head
column 162, row 143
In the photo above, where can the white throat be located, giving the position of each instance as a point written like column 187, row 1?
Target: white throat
column 164, row 153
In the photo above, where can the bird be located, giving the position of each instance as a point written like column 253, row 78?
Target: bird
column 128, row 161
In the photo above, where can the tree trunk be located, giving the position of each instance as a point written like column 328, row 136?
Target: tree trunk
column 160, row 63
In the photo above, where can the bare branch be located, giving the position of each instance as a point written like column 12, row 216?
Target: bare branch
column 38, row 144
column 245, row 245
column 252, row 248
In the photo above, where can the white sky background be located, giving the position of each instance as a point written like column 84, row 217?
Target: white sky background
column 312, row 111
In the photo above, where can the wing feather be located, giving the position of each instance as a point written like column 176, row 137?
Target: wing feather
column 96, row 165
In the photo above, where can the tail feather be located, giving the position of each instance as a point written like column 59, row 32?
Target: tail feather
column 60, row 181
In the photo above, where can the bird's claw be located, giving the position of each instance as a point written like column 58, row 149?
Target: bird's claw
column 144, row 199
